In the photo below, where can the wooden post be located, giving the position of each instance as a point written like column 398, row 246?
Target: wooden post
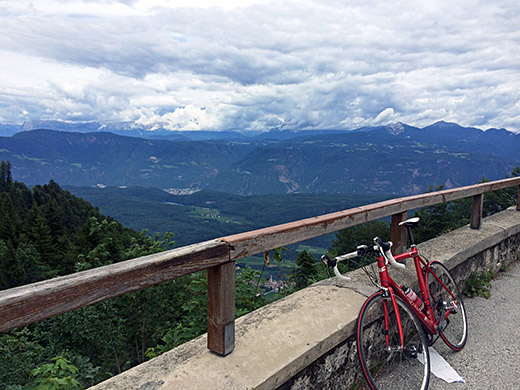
column 476, row 211
column 518, row 198
column 221, row 308
column 398, row 233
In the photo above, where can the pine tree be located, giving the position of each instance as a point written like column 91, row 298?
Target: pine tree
column 9, row 177
column 30, row 260
column 306, row 272
column 5, row 176
column 9, row 221
column 10, row 266
column 348, row 239
column 39, row 234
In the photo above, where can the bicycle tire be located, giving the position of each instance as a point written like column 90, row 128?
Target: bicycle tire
column 454, row 330
column 391, row 367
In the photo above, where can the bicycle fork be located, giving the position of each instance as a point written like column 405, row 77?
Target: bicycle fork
column 411, row 351
column 388, row 293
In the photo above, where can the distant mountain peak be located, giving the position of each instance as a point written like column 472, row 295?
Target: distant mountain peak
column 445, row 123
column 61, row 125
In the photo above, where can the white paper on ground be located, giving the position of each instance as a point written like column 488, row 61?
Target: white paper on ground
column 441, row 368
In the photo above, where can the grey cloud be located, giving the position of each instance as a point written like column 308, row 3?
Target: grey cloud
column 322, row 64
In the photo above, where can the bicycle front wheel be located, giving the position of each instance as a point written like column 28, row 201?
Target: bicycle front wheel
column 446, row 299
column 386, row 364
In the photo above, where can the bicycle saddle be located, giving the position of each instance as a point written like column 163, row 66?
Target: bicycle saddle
column 412, row 222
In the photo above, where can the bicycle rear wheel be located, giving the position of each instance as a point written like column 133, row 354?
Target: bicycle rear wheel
column 384, row 363
column 446, row 297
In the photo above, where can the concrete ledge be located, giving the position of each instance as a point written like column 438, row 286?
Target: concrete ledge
column 272, row 344
column 460, row 245
column 305, row 340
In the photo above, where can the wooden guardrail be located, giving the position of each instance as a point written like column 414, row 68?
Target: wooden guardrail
column 34, row 302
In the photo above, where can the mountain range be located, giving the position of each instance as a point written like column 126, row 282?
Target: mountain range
column 395, row 159
column 134, row 129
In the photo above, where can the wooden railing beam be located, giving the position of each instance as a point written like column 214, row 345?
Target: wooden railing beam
column 37, row 301
column 261, row 240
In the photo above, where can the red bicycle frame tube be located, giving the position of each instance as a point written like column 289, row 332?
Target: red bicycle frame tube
column 427, row 317
column 428, row 269
column 387, row 324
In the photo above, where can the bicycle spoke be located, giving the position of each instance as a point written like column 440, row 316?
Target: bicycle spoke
column 391, row 366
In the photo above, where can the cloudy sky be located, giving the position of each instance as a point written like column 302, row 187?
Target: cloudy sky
column 259, row 64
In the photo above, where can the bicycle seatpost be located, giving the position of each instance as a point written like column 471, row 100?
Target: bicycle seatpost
column 410, row 234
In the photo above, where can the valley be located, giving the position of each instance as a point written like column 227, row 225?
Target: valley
column 203, row 185
column 209, row 214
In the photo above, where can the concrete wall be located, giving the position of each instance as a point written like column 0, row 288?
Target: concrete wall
column 305, row 341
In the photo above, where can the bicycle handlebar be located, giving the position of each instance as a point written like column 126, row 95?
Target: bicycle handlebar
column 382, row 247
column 386, row 251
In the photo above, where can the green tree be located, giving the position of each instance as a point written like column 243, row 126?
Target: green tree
column 348, row 239
column 45, row 232
column 6, row 179
column 12, row 272
column 247, row 296
column 101, row 244
column 305, row 272
column 40, row 236
column 9, row 221
column 24, row 354
column 499, row 200
column 441, row 218
column 190, row 317
column 29, row 258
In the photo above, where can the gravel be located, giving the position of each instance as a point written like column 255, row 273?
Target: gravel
column 491, row 357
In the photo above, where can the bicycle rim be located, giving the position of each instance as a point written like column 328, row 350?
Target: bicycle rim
column 454, row 330
column 386, row 365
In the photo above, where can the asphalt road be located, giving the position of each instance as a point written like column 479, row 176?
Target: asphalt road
column 491, row 357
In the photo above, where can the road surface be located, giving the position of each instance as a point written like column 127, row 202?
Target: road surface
column 491, row 358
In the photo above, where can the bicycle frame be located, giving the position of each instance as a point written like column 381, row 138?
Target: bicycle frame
column 394, row 329
column 427, row 317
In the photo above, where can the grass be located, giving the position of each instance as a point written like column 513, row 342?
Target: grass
column 479, row 284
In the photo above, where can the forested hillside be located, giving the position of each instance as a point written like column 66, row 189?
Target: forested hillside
column 89, row 159
column 47, row 232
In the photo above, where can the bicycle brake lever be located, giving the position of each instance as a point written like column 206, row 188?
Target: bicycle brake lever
column 326, row 260
column 362, row 250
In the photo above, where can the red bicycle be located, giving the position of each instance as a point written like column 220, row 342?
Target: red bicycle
column 395, row 327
